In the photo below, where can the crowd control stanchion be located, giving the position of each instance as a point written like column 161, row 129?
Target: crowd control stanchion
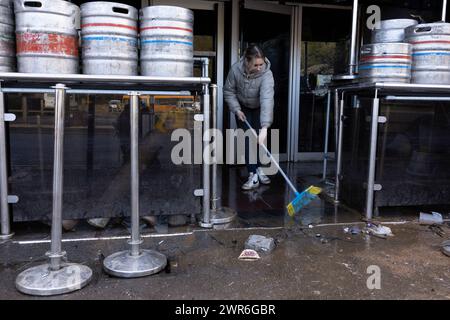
column 206, row 218
column 4, row 205
column 218, row 215
column 135, row 262
column 57, row 276
column 327, row 132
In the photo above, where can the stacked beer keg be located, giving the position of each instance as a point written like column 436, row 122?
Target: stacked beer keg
column 47, row 38
column 404, row 51
column 431, row 52
column 389, row 57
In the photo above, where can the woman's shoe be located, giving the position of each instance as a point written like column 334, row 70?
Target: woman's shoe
column 262, row 177
column 252, row 182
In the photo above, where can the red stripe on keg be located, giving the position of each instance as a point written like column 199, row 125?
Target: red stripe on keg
column 384, row 57
column 109, row 25
column 431, row 41
column 47, row 43
column 171, row 28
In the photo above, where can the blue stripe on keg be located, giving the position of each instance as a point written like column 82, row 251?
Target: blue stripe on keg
column 431, row 54
column 110, row 39
column 383, row 67
column 166, row 41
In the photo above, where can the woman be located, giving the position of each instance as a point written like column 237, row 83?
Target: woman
column 249, row 92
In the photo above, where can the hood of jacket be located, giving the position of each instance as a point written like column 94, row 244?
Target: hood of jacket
column 242, row 69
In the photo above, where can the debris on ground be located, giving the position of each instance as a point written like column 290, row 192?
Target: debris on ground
column 445, row 248
column 249, row 255
column 126, row 222
column 378, row 230
column 352, row 230
column 437, row 230
column 150, row 220
column 433, row 218
column 69, row 225
column 177, row 220
column 99, row 223
column 260, row 244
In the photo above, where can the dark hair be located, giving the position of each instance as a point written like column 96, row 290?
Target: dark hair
column 253, row 51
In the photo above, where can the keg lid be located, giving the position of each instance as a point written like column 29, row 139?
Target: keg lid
column 397, row 23
column 167, row 12
column 387, row 48
column 103, row 8
column 425, row 29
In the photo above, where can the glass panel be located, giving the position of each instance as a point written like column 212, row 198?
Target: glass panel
column 324, row 52
column 97, row 156
column 412, row 154
column 274, row 39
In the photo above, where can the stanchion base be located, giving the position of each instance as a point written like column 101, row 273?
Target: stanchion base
column 6, row 236
column 124, row 265
column 223, row 215
column 41, row 281
column 205, row 225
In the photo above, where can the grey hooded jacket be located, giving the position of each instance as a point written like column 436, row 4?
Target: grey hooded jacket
column 251, row 91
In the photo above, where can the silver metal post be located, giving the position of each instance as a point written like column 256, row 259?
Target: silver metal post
column 55, row 252
column 206, row 223
column 206, row 219
column 214, row 195
column 339, row 150
column 327, row 132
column 444, row 10
column 4, row 206
column 372, row 157
column 336, row 118
column 55, row 277
column 352, row 61
column 205, row 65
column 219, row 215
column 134, row 137
column 135, row 262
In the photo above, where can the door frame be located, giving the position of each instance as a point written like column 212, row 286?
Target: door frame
column 294, row 152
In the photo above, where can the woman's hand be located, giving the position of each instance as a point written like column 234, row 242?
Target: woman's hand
column 262, row 135
column 241, row 115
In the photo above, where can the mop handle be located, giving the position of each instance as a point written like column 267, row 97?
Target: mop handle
column 273, row 159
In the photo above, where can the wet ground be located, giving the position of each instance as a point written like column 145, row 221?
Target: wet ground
column 313, row 258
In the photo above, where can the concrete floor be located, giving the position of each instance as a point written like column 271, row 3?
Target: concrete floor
column 321, row 262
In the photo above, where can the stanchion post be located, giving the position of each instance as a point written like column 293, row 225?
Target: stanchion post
column 339, row 150
column 57, row 276
column 327, row 131
column 56, row 253
column 218, row 215
column 206, row 223
column 372, row 157
column 4, row 206
column 135, row 262
column 214, row 196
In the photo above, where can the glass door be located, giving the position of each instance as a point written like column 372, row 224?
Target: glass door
column 324, row 52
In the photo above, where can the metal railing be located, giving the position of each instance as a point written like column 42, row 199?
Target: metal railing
column 132, row 263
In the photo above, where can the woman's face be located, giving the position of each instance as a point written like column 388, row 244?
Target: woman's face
column 255, row 65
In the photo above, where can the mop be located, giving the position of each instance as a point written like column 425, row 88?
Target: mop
column 301, row 199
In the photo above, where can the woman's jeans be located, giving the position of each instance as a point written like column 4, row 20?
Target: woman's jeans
column 253, row 117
